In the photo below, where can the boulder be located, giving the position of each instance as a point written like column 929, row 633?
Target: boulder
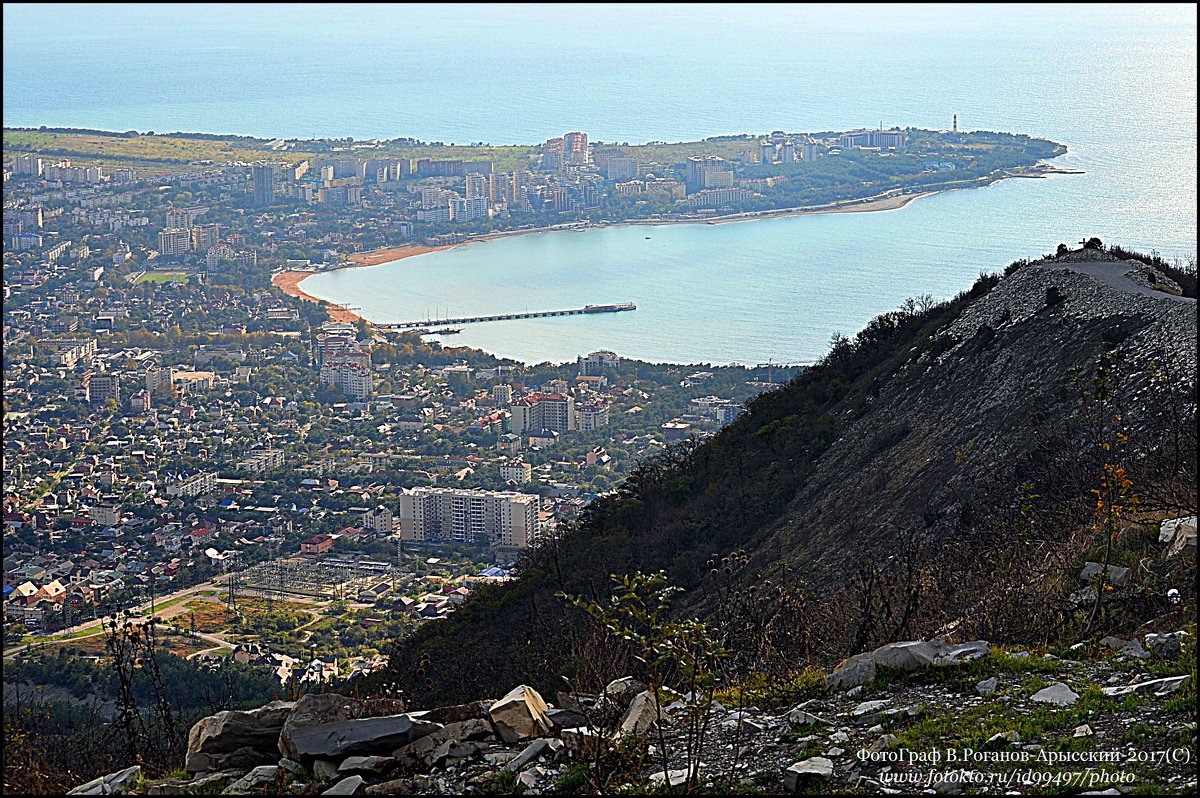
column 885, row 742
column 1117, row 576
column 1171, row 528
column 347, row 786
column 314, row 710
column 453, row 750
column 261, row 776
column 1164, row 646
column 642, row 713
column 807, row 771
column 420, row 751
column 798, row 717
column 621, row 691
column 343, row 738
column 520, row 715
column 1058, row 694
column 1184, row 544
column 393, row 787
column 235, row 738
column 457, row 713
column 565, row 719
column 987, row 686
column 855, row 671
column 325, row 770
column 107, row 785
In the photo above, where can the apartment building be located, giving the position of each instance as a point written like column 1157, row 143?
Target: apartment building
column 501, row 518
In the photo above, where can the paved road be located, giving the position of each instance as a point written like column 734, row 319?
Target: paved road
column 1115, row 274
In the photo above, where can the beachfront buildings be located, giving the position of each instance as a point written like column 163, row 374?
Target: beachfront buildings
column 497, row 518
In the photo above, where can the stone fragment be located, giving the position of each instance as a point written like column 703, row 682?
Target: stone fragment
column 325, row 770
column 641, row 715
column 520, row 715
column 1058, row 694
column 107, row 785
column 366, row 764
column 393, row 787
column 456, row 713
column 806, row 771
column 236, row 738
column 316, row 709
column 622, row 691
column 1117, row 576
column 259, row 777
column 1156, row 686
column 987, row 686
column 1083, row 730
column 673, row 778
column 1164, row 646
column 854, row 672
column 451, row 751
column 885, row 742
column 537, row 748
column 347, row 786
column 565, row 719
column 798, row 717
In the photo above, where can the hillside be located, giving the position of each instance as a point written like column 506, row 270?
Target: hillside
column 937, row 472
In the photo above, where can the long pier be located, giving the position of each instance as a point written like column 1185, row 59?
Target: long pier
column 536, row 314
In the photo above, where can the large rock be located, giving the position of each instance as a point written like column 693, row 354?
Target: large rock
column 641, row 715
column 1168, row 529
column 234, row 739
column 1117, row 576
column 905, row 656
column 421, row 751
column 365, row 764
column 344, row 738
column 520, row 715
column 621, row 691
column 453, row 750
column 1184, row 543
column 315, row 710
column 859, row 669
column 806, row 772
column 107, row 785
column 531, row 752
column 456, row 713
column 566, row 719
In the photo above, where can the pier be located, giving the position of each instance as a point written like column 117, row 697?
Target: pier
column 536, row 314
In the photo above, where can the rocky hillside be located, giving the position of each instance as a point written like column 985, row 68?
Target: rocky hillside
column 888, row 481
column 907, row 717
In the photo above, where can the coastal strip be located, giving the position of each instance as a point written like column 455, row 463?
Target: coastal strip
column 289, row 281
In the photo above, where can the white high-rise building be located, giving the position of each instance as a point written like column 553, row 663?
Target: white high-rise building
column 502, row 518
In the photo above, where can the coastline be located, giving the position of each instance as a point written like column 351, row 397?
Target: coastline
column 289, row 281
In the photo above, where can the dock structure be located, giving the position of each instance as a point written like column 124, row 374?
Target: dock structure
column 535, row 314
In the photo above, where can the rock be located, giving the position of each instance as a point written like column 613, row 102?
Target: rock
column 314, row 710
column 453, row 750
column 236, row 739
column 987, row 686
column 867, row 712
column 806, row 771
column 641, row 715
column 1184, row 544
column 531, row 752
column 1019, row 655
column 1058, row 694
column 565, row 719
column 1114, row 643
column 855, row 671
column 527, row 781
column 201, row 785
column 107, row 785
column 347, row 786
column 259, row 777
column 1117, row 576
column 1164, row 646
column 798, row 717
column 458, row 713
column 673, row 778
column 393, row 787
column 1083, row 731
column 347, row 737
column 884, row 743
column 366, row 764
column 291, row 766
column 835, row 751
column 576, row 701
column 1173, row 528
column 1157, row 686
column 839, row 737
column 520, row 715
column 1083, row 597
column 621, row 691
column 1134, row 649
column 582, row 742
column 325, row 770
column 854, row 691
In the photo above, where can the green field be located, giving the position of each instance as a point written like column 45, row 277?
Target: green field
column 163, row 277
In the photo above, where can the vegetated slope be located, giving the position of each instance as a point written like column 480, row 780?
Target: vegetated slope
column 928, row 418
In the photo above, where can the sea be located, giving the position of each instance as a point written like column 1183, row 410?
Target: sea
column 1115, row 83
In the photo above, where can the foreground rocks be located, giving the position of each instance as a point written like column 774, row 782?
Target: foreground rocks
column 834, row 740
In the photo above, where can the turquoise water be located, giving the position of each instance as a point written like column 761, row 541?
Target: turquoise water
column 1116, row 84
